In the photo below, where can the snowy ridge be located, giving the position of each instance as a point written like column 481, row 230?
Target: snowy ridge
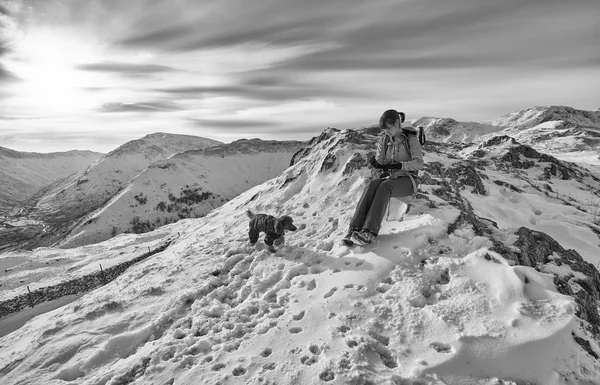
column 564, row 132
column 439, row 299
column 62, row 205
column 534, row 116
column 449, row 130
column 187, row 185
column 22, row 174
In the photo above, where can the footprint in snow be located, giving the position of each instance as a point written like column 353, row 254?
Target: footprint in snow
column 441, row 347
column 295, row 330
column 239, row 371
column 299, row 316
column 270, row 366
column 330, row 292
column 314, row 349
column 327, row 375
column 218, row 367
column 267, row 352
column 306, row 360
column 311, row 285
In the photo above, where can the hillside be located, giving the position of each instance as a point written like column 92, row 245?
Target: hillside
column 22, row 174
column 47, row 216
column 565, row 132
column 187, row 185
column 488, row 279
column 449, row 130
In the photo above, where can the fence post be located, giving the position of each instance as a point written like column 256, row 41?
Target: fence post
column 102, row 272
column 30, row 296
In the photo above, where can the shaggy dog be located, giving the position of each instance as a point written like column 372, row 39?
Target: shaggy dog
column 273, row 227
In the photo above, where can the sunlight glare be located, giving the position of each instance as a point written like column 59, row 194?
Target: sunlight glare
column 51, row 84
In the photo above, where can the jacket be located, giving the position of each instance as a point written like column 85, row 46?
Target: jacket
column 402, row 148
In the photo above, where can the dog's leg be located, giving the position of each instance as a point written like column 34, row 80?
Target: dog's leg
column 279, row 241
column 269, row 242
column 253, row 236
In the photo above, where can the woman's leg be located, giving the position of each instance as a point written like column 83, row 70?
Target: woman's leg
column 400, row 187
column 364, row 204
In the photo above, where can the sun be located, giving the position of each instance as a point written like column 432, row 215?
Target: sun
column 45, row 61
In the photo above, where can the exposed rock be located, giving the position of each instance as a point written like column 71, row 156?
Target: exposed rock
column 496, row 140
column 328, row 162
column 508, row 185
column 537, row 248
column 356, row 162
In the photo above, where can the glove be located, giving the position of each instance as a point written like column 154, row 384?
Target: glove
column 374, row 163
column 393, row 166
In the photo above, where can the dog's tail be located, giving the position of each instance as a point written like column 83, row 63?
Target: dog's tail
column 250, row 214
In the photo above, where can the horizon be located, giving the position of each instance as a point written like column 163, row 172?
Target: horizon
column 94, row 75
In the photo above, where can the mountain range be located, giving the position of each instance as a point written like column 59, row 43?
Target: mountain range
column 162, row 178
column 110, row 195
column 557, row 130
column 486, row 277
column 23, row 174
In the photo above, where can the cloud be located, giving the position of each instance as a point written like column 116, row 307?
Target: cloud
column 162, row 36
column 137, row 107
column 238, row 124
column 257, row 86
column 128, row 68
column 7, row 76
column 8, row 117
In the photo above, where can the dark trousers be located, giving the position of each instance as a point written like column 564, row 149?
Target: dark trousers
column 374, row 201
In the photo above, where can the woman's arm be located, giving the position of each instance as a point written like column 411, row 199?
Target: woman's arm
column 416, row 155
column 380, row 149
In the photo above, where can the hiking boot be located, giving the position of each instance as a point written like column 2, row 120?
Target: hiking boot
column 348, row 237
column 363, row 237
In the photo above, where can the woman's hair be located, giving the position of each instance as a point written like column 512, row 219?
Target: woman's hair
column 390, row 116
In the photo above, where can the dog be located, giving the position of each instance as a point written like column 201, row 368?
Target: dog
column 273, row 227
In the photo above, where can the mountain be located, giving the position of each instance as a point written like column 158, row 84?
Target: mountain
column 186, row 185
column 489, row 278
column 558, row 130
column 562, row 131
column 449, row 130
column 530, row 117
column 53, row 211
column 22, row 174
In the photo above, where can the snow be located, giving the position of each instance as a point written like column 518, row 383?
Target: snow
column 420, row 306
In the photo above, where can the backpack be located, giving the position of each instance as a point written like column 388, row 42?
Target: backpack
column 421, row 131
column 422, row 138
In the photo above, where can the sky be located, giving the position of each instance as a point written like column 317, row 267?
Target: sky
column 94, row 74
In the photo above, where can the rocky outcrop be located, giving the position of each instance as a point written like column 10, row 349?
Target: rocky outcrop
column 532, row 248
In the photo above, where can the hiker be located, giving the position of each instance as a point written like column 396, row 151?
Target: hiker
column 398, row 155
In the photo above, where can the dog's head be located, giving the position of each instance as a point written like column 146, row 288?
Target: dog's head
column 284, row 223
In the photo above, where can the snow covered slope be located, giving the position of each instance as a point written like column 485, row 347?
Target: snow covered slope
column 482, row 282
column 565, row 132
column 449, row 130
column 534, row 116
column 562, row 131
column 187, row 185
column 56, row 209
column 22, row 174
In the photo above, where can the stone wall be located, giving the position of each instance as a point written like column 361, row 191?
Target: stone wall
column 78, row 285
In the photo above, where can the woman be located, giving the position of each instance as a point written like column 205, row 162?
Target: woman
column 398, row 155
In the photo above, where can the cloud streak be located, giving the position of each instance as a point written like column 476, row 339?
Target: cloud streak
column 127, row 68
column 139, row 107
